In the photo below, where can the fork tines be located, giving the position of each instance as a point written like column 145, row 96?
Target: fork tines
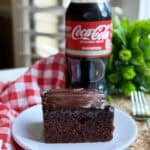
column 140, row 105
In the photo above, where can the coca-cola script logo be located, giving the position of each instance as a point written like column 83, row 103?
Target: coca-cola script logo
column 101, row 32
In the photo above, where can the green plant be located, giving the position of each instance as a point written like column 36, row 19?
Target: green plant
column 128, row 67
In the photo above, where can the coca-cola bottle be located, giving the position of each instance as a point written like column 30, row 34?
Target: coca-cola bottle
column 88, row 43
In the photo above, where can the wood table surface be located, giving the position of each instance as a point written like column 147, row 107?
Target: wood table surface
column 143, row 139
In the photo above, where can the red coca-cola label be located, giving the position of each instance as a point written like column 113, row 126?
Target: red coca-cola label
column 89, row 39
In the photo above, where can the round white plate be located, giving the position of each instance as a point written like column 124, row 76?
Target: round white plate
column 27, row 131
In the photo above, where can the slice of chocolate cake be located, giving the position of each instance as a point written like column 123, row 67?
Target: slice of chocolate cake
column 76, row 115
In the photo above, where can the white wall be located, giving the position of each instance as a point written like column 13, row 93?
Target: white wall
column 130, row 7
column 134, row 9
column 144, row 12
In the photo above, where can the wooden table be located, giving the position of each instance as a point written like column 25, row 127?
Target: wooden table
column 143, row 139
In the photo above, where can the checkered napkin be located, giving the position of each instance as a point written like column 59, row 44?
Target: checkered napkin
column 24, row 92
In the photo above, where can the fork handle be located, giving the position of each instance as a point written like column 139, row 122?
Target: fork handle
column 148, row 124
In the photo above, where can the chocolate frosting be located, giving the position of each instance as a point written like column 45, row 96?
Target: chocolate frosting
column 74, row 98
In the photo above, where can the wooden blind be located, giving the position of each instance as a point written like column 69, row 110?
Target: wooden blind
column 38, row 29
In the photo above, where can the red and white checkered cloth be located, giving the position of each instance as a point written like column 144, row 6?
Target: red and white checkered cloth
column 24, row 92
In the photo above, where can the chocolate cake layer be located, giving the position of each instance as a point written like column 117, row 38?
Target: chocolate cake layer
column 76, row 115
column 74, row 98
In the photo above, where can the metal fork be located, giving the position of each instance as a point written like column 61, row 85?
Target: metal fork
column 140, row 107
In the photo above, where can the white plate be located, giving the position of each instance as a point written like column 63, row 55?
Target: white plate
column 27, row 131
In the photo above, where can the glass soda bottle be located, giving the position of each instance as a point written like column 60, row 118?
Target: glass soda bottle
column 88, row 43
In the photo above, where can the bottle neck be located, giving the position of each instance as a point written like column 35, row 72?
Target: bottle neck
column 89, row 1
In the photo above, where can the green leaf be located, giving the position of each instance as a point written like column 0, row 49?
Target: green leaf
column 128, row 73
column 146, row 71
column 146, row 83
column 125, row 55
column 145, row 43
column 116, row 21
column 128, row 87
column 137, row 52
column 119, row 33
column 145, row 46
column 146, row 53
column 143, row 27
column 113, row 78
column 129, row 66
column 134, row 41
column 118, row 30
column 139, row 80
column 140, row 69
column 125, row 24
column 109, row 98
column 110, row 62
column 138, row 61
column 148, row 64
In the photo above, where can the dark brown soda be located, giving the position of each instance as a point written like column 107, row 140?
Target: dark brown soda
column 85, row 68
